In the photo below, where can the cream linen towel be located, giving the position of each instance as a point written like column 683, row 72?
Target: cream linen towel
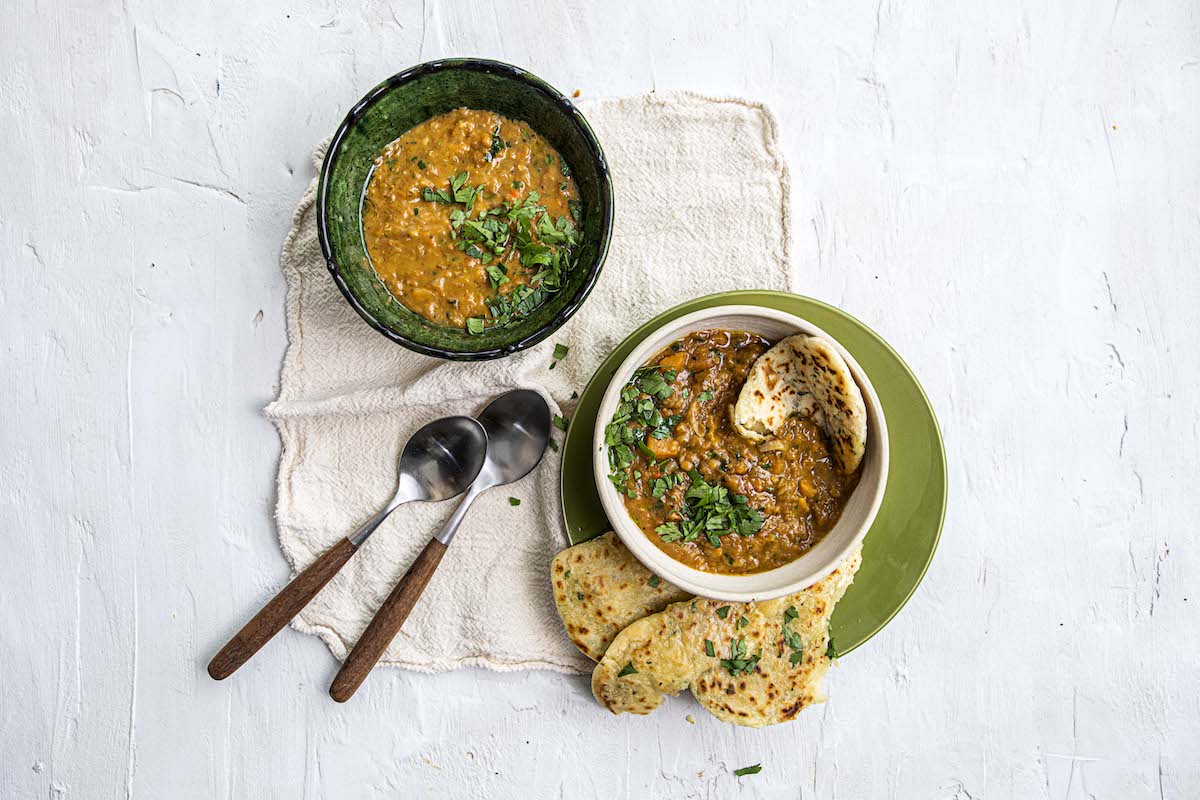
column 701, row 207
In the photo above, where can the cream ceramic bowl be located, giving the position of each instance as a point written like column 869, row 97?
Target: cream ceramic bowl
column 818, row 562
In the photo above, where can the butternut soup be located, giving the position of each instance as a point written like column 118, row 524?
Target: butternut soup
column 700, row 491
column 469, row 219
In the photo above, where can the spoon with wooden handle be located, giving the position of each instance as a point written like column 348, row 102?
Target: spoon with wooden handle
column 518, row 428
column 440, row 461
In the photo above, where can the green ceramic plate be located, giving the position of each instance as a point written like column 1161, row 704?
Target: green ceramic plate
column 899, row 546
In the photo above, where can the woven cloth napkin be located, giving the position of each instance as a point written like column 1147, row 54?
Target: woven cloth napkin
column 701, row 206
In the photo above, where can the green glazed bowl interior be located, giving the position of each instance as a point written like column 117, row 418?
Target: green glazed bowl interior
column 412, row 97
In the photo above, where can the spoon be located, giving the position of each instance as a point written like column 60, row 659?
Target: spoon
column 440, row 461
column 518, row 429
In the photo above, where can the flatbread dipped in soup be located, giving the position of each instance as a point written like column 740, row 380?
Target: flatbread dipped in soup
column 703, row 492
column 805, row 376
column 469, row 219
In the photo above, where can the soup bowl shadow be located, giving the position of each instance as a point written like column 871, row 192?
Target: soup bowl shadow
column 856, row 518
column 408, row 99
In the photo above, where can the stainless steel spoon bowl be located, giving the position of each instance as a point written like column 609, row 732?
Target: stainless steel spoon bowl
column 518, row 430
column 440, row 461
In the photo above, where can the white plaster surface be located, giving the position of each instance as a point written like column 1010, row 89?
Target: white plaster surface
column 1007, row 191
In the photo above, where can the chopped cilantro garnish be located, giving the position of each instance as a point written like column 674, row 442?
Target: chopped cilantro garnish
column 459, row 192
column 498, row 145
column 723, row 612
column 742, row 622
column 703, row 512
column 792, row 639
column 705, row 396
column 752, row 770
column 497, row 275
column 669, row 532
column 709, row 650
column 560, row 351
column 738, row 662
column 514, row 501
column 831, row 651
column 553, row 445
column 710, row 512
column 561, row 422
column 545, row 248
column 653, row 582
column 627, row 670
column 475, row 325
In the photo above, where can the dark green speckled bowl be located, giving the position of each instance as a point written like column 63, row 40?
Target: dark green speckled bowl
column 412, row 97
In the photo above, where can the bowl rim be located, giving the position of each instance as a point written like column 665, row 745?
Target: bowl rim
column 681, row 575
column 557, row 98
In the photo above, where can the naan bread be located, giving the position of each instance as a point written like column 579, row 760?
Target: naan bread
column 665, row 652
column 599, row 588
column 805, row 375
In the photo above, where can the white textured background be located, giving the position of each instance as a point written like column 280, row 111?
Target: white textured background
column 1007, row 191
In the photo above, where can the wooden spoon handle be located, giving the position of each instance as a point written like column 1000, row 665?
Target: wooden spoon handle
column 386, row 623
column 279, row 612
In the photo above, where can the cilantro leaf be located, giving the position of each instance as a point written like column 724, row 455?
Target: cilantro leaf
column 498, row 145
column 431, row 195
column 669, row 532
column 738, row 662
column 497, row 275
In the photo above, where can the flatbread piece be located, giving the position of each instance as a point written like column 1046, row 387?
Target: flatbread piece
column 599, row 588
column 669, row 651
column 805, row 375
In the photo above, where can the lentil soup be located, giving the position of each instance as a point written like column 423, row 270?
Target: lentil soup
column 469, row 219
column 702, row 493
